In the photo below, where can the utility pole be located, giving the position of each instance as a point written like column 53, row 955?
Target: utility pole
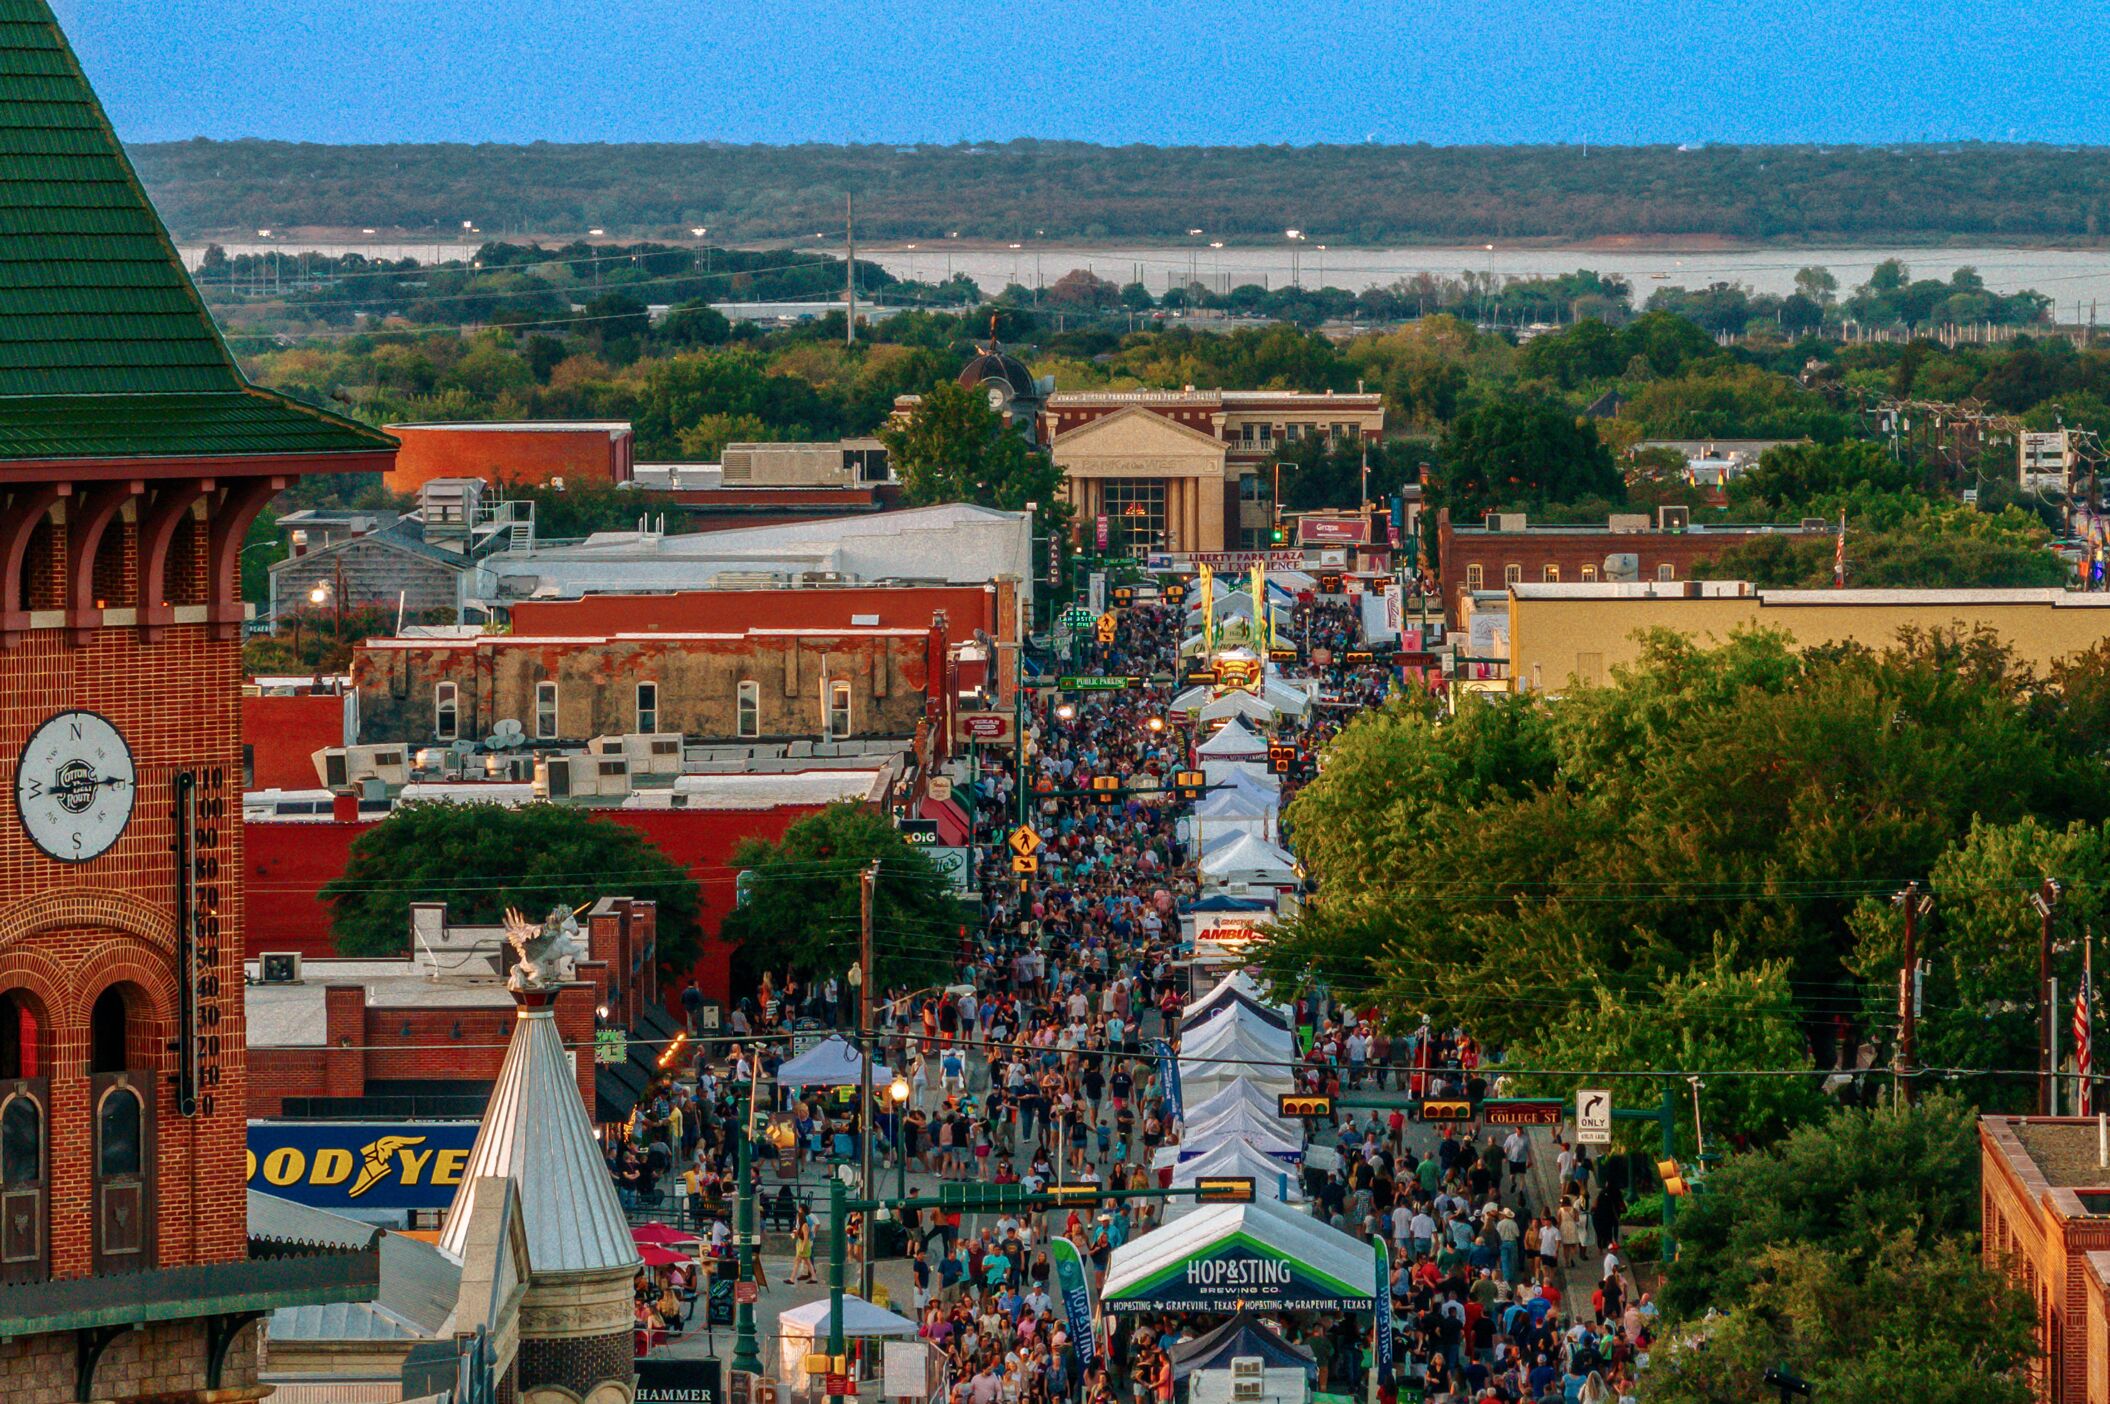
column 2046, row 900
column 1915, row 904
column 850, row 274
column 867, row 881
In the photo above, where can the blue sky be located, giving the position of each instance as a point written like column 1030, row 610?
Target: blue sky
column 1196, row 71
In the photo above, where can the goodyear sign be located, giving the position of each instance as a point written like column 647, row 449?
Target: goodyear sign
column 360, row 1164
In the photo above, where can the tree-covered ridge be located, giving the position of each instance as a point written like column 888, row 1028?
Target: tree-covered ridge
column 1367, row 193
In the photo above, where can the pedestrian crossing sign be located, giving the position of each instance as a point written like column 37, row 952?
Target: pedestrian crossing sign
column 1024, row 842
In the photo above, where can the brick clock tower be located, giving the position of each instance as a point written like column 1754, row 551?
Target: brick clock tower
column 133, row 458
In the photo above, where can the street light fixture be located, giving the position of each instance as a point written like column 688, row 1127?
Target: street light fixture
column 1065, row 712
column 1156, row 723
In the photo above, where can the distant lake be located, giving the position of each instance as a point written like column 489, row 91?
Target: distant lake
column 2073, row 278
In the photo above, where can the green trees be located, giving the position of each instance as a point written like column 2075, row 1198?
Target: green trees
column 1699, row 834
column 954, row 448
column 1847, row 1254
column 1519, row 453
column 799, row 901
column 483, row 858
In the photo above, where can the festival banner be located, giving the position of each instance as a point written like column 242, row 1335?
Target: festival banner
column 1206, row 581
column 1383, row 1312
column 1074, row 1285
column 1169, row 1079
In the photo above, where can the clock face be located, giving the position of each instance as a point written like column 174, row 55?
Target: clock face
column 74, row 786
column 996, row 397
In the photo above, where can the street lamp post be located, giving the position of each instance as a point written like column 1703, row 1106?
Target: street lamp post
column 897, row 1093
column 747, row 1355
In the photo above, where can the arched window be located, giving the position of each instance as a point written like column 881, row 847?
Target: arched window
column 108, row 1024
column 118, row 1148
column 21, row 1141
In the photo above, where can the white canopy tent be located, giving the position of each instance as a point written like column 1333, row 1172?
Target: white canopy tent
column 1272, row 1179
column 1202, row 1079
column 1240, row 1125
column 1221, row 772
column 1234, row 740
column 833, row 1062
column 1232, row 1034
column 1312, row 1266
column 1249, row 860
column 1234, row 986
column 800, row 1327
column 1240, row 703
column 1239, row 1094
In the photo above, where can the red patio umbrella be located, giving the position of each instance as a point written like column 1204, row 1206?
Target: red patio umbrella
column 656, row 1256
column 664, row 1235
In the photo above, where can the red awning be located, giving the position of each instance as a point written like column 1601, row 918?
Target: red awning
column 953, row 825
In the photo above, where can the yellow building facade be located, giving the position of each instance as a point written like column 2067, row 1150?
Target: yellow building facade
column 1562, row 635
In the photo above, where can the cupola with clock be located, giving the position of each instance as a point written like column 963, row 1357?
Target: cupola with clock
column 1010, row 387
column 136, row 455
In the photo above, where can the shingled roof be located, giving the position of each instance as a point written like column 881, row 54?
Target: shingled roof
column 106, row 350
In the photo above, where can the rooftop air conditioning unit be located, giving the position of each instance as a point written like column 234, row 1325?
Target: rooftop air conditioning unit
column 553, row 777
column 279, row 967
column 1248, row 1367
column 1816, row 524
column 1674, row 518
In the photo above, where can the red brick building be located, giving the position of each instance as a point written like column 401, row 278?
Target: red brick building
column 137, row 456
column 284, row 723
column 1507, row 549
column 423, row 1036
column 525, row 453
column 2045, row 1221
column 291, row 859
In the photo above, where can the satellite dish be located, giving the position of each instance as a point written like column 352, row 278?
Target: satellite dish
column 505, row 733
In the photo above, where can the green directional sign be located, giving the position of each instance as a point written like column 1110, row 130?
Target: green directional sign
column 1074, row 683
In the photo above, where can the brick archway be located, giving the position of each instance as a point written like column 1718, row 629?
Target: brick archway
column 86, row 909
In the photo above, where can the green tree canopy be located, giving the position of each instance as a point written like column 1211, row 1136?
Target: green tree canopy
column 952, row 447
column 800, row 896
column 483, row 858
column 1522, row 452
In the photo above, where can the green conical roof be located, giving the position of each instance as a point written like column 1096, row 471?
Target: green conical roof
column 106, row 350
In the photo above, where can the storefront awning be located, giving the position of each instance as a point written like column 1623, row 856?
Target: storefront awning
column 954, row 828
column 1261, row 1256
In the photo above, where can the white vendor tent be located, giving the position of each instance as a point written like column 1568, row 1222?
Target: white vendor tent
column 800, row 1328
column 1234, row 740
column 1263, row 1256
column 832, row 1062
column 1235, row 988
column 1246, row 860
column 1239, row 704
column 1240, row 1033
column 1203, row 1077
column 1240, row 1095
column 1272, row 1179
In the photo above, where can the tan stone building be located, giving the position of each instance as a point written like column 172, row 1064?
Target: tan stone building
column 1186, row 470
column 2045, row 1221
column 763, row 685
column 1558, row 634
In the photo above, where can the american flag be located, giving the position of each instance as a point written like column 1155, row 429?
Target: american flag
column 2083, row 1045
column 1839, row 556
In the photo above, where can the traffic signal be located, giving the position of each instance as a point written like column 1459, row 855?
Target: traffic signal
column 1447, row 1109
column 1224, row 1189
column 1190, row 784
column 1124, row 596
column 1174, row 593
column 1106, row 788
column 1298, row 1104
column 1330, row 583
column 1070, row 1194
column 1673, row 1178
column 1277, row 537
column 1280, row 757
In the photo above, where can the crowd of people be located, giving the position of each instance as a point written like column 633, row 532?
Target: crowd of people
column 1035, row 1067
